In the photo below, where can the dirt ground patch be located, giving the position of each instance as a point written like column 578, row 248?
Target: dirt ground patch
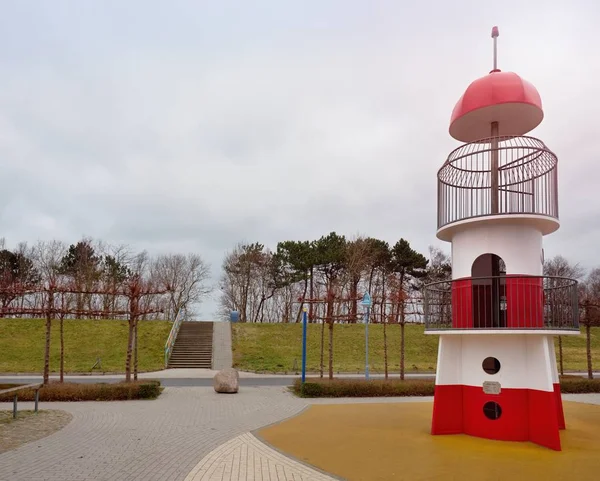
column 29, row 427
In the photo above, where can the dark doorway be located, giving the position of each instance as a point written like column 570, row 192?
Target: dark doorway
column 489, row 291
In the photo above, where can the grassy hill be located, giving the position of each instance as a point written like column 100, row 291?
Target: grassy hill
column 278, row 348
column 22, row 345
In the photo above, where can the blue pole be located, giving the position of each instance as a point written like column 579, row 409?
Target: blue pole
column 304, row 322
column 367, row 342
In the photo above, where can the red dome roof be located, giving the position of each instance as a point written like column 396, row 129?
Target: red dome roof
column 501, row 97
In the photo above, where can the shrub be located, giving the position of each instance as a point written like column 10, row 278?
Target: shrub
column 363, row 388
column 90, row 392
column 316, row 387
column 578, row 385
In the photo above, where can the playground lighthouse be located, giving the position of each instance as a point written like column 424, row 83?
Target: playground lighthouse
column 498, row 316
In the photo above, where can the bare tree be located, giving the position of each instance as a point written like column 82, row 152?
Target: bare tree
column 81, row 264
column 48, row 256
column 558, row 266
column 66, row 300
column 590, row 311
column 186, row 278
column 358, row 260
column 114, row 270
column 245, row 280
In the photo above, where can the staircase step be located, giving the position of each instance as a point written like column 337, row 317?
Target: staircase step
column 192, row 355
column 186, row 351
column 191, row 358
column 193, row 346
column 190, row 364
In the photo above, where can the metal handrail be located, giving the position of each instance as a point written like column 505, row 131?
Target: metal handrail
column 502, row 302
column 173, row 336
column 16, row 390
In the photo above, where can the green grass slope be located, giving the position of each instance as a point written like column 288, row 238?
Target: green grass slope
column 22, row 345
column 278, row 348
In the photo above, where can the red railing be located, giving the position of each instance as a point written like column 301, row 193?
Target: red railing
column 502, row 302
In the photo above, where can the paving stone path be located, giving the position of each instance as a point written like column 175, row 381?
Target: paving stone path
column 183, row 435
column 144, row 440
column 245, row 458
column 222, row 354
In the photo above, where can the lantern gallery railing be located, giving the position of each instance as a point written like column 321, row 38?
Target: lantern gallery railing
column 498, row 175
column 502, row 302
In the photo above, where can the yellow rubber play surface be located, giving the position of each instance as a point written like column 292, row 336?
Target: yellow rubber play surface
column 377, row 442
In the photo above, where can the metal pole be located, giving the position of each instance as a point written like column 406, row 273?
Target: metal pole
column 494, row 168
column 495, row 34
column 304, row 323
column 367, row 342
column 37, row 399
column 494, row 146
column 15, row 406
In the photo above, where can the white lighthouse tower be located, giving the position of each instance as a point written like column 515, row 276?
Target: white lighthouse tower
column 497, row 317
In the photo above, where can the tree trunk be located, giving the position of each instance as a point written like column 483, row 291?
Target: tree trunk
column 331, row 350
column 129, row 349
column 588, row 350
column 79, row 298
column 385, row 350
column 49, row 315
column 47, row 349
column 322, row 346
column 402, row 351
column 354, row 300
column 311, row 314
column 385, row 345
column 371, row 279
column 329, row 319
column 299, row 315
column 135, row 351
column 244, row 303
column 402, row 341
column 62, row 349
column 560, row 356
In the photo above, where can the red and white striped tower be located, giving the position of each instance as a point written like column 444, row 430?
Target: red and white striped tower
column 497, row 317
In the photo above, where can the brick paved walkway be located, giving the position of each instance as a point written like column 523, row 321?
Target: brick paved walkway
column 144, row 440
column 245, row 458
column 222, row 357
column 173, row 438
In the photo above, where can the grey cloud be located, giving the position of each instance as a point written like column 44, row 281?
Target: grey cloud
column 188, row 127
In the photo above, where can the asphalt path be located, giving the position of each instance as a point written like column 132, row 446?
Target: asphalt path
column 198, row 382
column 267, row 380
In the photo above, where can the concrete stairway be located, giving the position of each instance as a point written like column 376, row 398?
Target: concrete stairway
column 193, row 346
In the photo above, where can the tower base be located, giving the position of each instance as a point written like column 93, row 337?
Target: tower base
column 520, row 401
column 527, row 414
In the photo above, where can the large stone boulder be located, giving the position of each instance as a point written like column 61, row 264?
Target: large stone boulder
column 227, row 381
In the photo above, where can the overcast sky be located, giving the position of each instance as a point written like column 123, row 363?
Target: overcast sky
column 179, row 126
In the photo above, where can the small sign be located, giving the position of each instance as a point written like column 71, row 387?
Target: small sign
column 366, row 300
column 491, row 387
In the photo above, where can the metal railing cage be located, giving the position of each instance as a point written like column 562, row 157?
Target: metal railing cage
column 502, row 302
column 526, row 180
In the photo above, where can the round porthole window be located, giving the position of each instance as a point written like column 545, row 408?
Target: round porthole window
column 492, row 410
column 491, row 365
